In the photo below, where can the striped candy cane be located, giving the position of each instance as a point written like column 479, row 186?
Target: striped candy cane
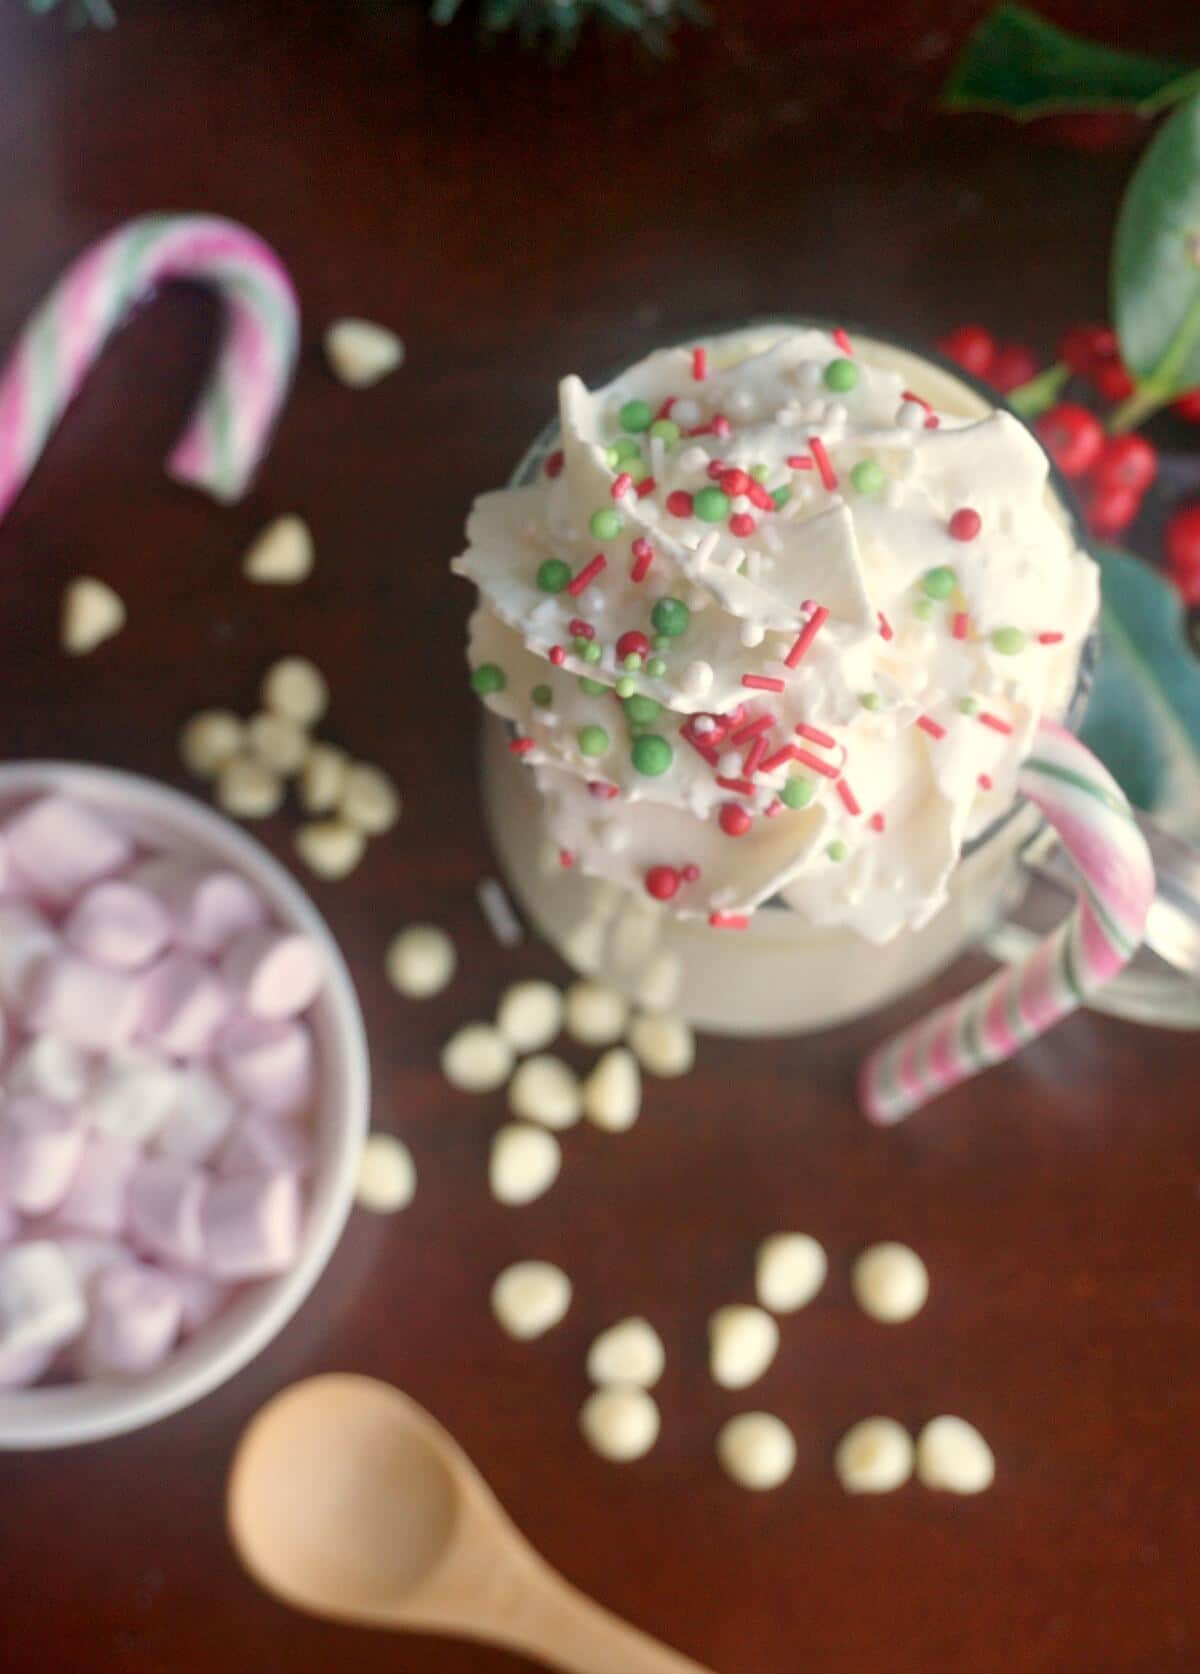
column 1094, row 822
column 231, row 424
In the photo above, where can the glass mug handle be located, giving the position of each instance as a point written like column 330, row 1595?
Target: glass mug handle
column 1055, row 973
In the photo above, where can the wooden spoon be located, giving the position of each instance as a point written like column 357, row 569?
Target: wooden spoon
column 346, row 1499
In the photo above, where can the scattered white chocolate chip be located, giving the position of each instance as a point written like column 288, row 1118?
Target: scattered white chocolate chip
column 890, row 1282
column 612, row 1093
column 330, row 848
column 951, row 1454
column 529, row 1298
column 620, row 1422
column 322, row 777
column 583, row 945
column 247, row 789
column 369, row 799
column 277, row 742
column 295, row 688
column 387, row 1176
column 660, row 981
column 209, row 740
column 524, row 1163
column 529, row 1015
column 545, row 1090
column 874, row 1457
column 91, row 613
column 594, row 1013
column 360, row 352
column 630, row 1352
column 477, row 1058
column 742, row 1342
column 281, row 554
column 420, row 961
column 665, row 1045
column 789, row 1272
column 757, row 1450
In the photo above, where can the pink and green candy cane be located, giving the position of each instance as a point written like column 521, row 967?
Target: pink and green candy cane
column 1095, row 825
column 231, row 424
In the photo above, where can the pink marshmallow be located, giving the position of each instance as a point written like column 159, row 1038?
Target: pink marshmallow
column 163, row 1205
column 251, row 1226
column 8, row 879
column 133, row 1323
column 265, row 1145
column 42, row 1145
column 119, row 924
column 277, row 973
column 185, row 1005
column 58, row 847
column 19, row 1367
column 84, row 1003
column 26, row 940
column 208, row 905
column 201, row 1297
column 267, row 1064
column 95, row 1202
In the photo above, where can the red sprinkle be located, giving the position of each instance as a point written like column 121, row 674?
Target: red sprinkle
column 965, row 524
column 579, row 629
column 554, row 462
column 662, row 882
column 933, row 422
column 788, row 753
column 754, row 756
column 934, row 728
column 565, row 858
column 995, row 722
column 520, row 746
column 734, row 481
column 908, row 395
column 587, row 574
column 773, row 808
column 734, row 820
column 665, row 410
column 752, row 729
column 633, row 644
column 828, row 474
column 743, row 787
column 621, row 485
column 679, row 503
column 1049, row 639
column 699, row 364
column 808, row 633
column 728, row 921
column 721, row 426
column 643, row 553
column 762, row 683
column 602, row 791
column 985, row 781
column 885, row 627
column 876, row 822
column 557, row 656
column 742, row 524
column 799, row 462
column 842, row 341
column 758, row 496
column 646, row 486
column 961, row 624
column 849, row 801
column 807, row 759
column 714, row 469
column 815, row 735
column 690, row 872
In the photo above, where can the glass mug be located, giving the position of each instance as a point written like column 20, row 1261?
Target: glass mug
column 781, row 974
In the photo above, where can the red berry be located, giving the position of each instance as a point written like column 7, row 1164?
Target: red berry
column 1126, row 462
column 965, row 523
column 1188, row 406
column 1183, row 552
column 734, row 482
column 1073, row 437
column 733, row 820
column 633, row 644
column 1112, row 379
column 1085, row 346
column 972, row 347
column 1013, row 366
column 662, row 882
column 1111, row 507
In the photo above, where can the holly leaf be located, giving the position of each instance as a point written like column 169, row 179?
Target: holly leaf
column 1020, row 65
column 1143, row 720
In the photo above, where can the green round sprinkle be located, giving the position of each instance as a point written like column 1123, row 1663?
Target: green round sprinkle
column 841, row 375
column 626, row 686
column 652, row 755
column 642, row 710
column 553, row 575
column 635, row 416
column 605, row 524
column 711, row 504
column 837, row 850
column 1008, row 641
column 671, row 616
column 632, row 662
column 592, row 652
column 593, row 741
column 760, row 473
column 939, row 583
column 613, row 458
column 624, row 448
column 868, row 477
column 656, row 668
column 580, row 644
column 797, row 793
column 781, row 496
column 488, row 677
column 542, row 696
column 666, row 430
column 660, row 642
column 590, row 687
column 871, row 700
column 968, row 706
column 923, row 609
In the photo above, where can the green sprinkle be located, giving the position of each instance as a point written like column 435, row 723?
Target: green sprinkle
column 593, row 741
column 939, row 583
column 624, row 448
column 613, row 458
column 781, row 496
column 760, row 473
column 605, row 524
column 488, row 677
column 1008, row 641
column 743, row 568
column 923, row 609
column 591, row 652
column 641, row 710
column 633, row 661
column 711, row 504
column 671, row 616
column 626, row 686
column 635, row 416
column 871, row 700
column 580, row 644
column 868, row 477
column 666, row 430
column 837, row 850
column 660, row 642
column 841, row 375
column 797, row 793
column 968, row 706
column 590, row 687
column 553, row 575
column 652, row 755
column 542, row 696
column 656, row 668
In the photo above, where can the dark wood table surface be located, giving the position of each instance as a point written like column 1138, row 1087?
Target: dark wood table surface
column 514, row 222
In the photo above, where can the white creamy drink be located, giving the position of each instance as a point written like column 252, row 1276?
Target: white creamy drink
column 775, row 623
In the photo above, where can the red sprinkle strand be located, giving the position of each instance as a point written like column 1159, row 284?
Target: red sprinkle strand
column 721, row 426
column 1049, row 639
column 602, row 791
column 908, row 395
column 808, row 633
column 754, row 756
column 807, row 759
column 985, row 781
column 828, row 474
column 621, row 485
column 815, row 735
column 646, row 486
column 557, row 656
column 799, row 462
column 734, row 481
column 758, row 496
column 520, row 746
column 788, row 753
column 565, row 858
column 752, row 729
column 772, row 808
column 876, row 822
column 995, row 722
column 849, row 801
column 728, row 921
column 885, row 627
column 742, row 787
column 933, row 422
column 762, row 683
column 699, row 365
column 842, row 341
column 934, row 728
column 961, row 623
column 554, row 463
column 679, row 503
column 579, row 629
column 643, row 553
column 665, row 410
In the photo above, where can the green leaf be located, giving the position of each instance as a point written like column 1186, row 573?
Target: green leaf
column 1155, row 277
column 1143, row 720
column 1018, row 64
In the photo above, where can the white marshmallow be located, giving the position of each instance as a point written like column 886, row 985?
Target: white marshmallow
column 201, row 1297
column 41, row 1301
column 40, row 1149
column 276, row 973
column 251, row 1226
column 164, row 1204
column 21, row 1367
column 742, row 1343
column 50, row 1068
column 133, row 1096
column 199, row 1117
column 133, row 1323
column 26, row 939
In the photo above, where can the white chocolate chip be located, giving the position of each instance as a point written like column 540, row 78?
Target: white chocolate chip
column 630, row 1352
column 278, row 743
column 620, row 1422
column 529, row 1299
column 890, row 1282
column 612, row 1093
column 322, row 778
column 874, row 1457
column 91, row 613
column 330, row 848
column 742, row 1342
column 477, row 1058
column 247, row 789
column 370, row 799
column 295, row 688
column 360, row 352
column 209, row 739
column 524, row 1163
column 420, row 961
column 281, row 555
column 665, row 1045
column 658, row 985
column 545, row 1090
column 952, row 1455
column 757, row 1450
column 529, row 1015
column 595, row 1014
column 790, row 1270
column 583, row 945
column 387, row 1176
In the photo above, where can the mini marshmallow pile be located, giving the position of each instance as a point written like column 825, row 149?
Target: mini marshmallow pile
column 156, row 1073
